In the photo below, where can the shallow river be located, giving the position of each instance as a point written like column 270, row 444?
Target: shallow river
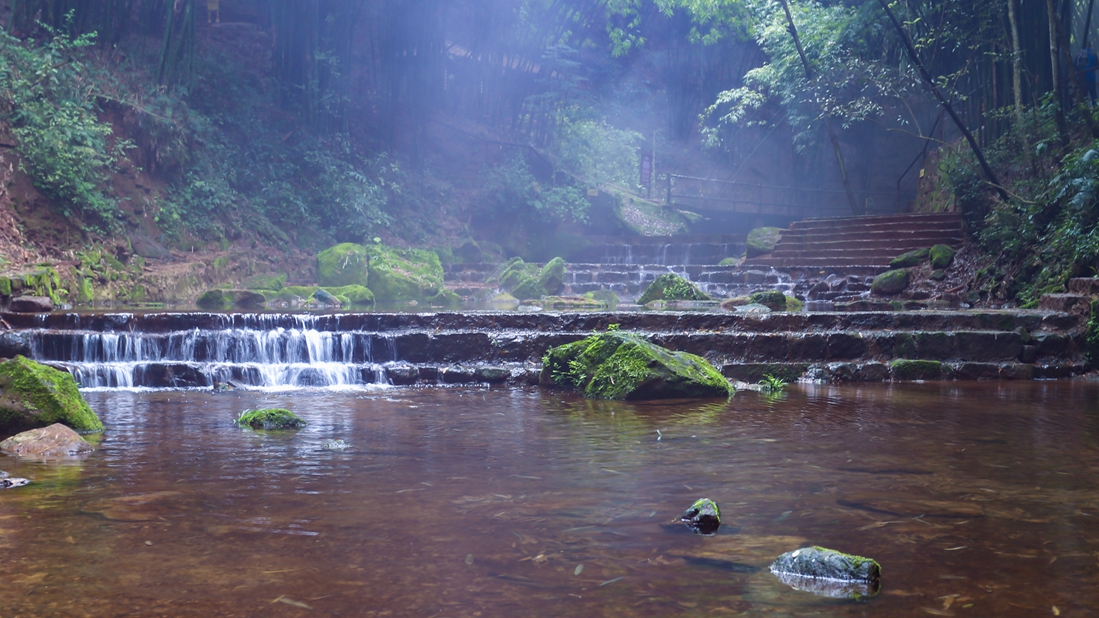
column 978, row 499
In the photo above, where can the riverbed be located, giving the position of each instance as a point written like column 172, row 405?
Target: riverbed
column 977, row 498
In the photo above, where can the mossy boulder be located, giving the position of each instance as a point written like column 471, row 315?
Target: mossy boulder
column 941, row 256
column 910, row 259
column 890, row 282
column 270, row 418
column 356, row 295
column 344, row 264
column 704, row 516
column 772, row 299
column 671, row 287
column 404, row 274
column 5, row 286
column 616, row 365
column 214, row 300
column 762, row 240
column 522, row 280
column 34, row 395
column 552, row 277
column 827, row 572
column 571, row 302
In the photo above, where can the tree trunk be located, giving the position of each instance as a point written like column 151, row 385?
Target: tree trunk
column 915, row 58
column 1055, row 72
column 1087, row 25
column 1016, row 65
column 856, row 209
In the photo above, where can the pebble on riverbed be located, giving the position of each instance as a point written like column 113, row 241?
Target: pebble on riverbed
column 704, row 517
column 827, row 572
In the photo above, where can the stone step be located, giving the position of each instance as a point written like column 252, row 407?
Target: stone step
column 1086, row 286
column 881, row 264
column 891, row 242
column 909, row 221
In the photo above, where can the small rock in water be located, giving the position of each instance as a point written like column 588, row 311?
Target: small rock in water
column 51, row 442
column 8, row 483
column 827, row 572
column 335, row 445
column 753, row 308
column 703, row 517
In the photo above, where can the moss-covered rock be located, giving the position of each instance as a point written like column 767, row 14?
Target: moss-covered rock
column 522, row 280
column 909, row 259
column 890, row 282
column 270, row 418
column 762, row 240
column 671, row 287
column 356, row 295
column 941, row 256
column 344, row 264
column 85, row 291
column 404, row 274
column 5, row 286
column 607, row 297
column 904, row 369
column 214, row 300
column 772, row 299
column 34, row 395
column 571, row 302
column 552, row 277
column 704, row 516
column 827, row 572
column 616, row 365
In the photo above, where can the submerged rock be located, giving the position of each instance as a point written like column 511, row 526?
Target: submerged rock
column 671, row 287
column 270, row 418
column 704, row 517
column 50, row 442
column 34, row 395
column 335, row 445
column 10, row 482
column 828, row 572
column 616, row 365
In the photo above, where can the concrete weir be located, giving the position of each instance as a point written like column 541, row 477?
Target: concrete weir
column 270, row 350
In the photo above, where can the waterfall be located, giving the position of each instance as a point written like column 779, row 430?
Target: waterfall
column 262, row 351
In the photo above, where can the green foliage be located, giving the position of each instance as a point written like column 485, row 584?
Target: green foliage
column 772, row 384
column 671, row 287
column 599, row 153
column 47, row 96
column 512, row 192
column 270, row 418
column 1091, row 335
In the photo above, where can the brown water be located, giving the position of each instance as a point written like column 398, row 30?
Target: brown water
column 977, row 499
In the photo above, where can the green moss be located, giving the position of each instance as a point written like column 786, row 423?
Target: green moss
column 762, row 240
column 1091, row 335
column 214, row 300
column 941, row 256
column 299, row 291
column 343, row 264
column 917, row 369
column 890, row 282
column 616, row 365
column 671, row 287
column 354, row 295
column 729, row 261
column 265, row 282
column 85, row 292
column 552, row 277
column 5, row 286
column 772, row 299
column 270, row 418
column 35, row 395
column 404, row 274
column 852, row 559
column 794, row 305
column 909, row 259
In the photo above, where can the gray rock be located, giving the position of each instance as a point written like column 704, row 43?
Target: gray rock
column 51, row 442
column 9, row 482
column 335, row 445
column 703, row 517
column 31, row 304
column 828, row 572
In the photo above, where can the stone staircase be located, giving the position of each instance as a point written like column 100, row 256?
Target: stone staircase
column 860, row 241
column 407, row 348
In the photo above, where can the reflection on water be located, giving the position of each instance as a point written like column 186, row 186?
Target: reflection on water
column 977, row 499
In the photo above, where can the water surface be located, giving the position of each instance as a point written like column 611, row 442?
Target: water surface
column 978, row 499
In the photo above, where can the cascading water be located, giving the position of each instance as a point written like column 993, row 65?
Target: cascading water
column 264, row 352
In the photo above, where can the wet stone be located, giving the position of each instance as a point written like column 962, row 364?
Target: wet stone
column 54, row 441
column 334, row 445
column 492, row 375
column 31, row 304
column 827, row 572
column 402, row 374
column 703, row 517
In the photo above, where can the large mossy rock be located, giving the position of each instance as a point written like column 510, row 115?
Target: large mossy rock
column 217, row 300
column 890, row 282
column 354, row 295
column 406, row 274
column 522, row 280
column 910, row 259
column 941, row 256
column 762, row 240
column 704, row 516
column 671, row 287
column 34, row 395
column 552, row 277
column 270, row 418
column 772, row 299
column 344, row 264
column 615, row 365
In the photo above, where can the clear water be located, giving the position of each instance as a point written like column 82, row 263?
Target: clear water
column 978, row 499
